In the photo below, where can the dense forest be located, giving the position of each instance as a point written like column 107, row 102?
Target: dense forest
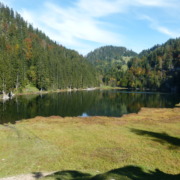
column 29, row 57
column 110, row 62
column 157, row 68
column 109, row 53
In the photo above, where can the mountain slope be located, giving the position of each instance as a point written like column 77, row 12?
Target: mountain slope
column 109, row 53
column 111, row 62
column 156, row 68
column 28, row 56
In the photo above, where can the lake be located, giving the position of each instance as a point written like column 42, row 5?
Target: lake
column 83, row 103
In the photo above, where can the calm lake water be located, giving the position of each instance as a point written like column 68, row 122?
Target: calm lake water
column 83, row 103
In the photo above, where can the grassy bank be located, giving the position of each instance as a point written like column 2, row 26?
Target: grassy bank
column 110, row 87
column 143, row 144
column 33, row 90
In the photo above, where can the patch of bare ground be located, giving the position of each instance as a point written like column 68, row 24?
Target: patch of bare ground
column 31, row 176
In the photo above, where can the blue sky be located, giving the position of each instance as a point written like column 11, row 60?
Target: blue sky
column 84, row 25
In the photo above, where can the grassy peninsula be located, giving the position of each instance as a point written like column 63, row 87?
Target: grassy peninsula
column 144, row 145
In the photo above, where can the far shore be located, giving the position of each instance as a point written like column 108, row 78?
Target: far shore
column 39, row 92
column 66, row 90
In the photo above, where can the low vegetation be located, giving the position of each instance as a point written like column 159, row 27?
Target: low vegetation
column 144, row 145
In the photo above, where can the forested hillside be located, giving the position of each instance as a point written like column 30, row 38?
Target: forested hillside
column 157, row 68
column 109, row 53
column 111, row 62
column 29, row 57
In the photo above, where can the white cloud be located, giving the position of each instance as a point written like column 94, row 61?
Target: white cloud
column 154, row 24
column 80, row 24
column 29, row 17
column 72, row 26
column 168, row 32
column 156, row 3
column 99, row 8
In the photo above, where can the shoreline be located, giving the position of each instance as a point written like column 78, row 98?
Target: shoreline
column 66, row 90
column 83, row 89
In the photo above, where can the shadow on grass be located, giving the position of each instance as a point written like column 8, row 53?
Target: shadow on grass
column 160, row 137
column 69, row 175
column 125, row 173
column 37, row 175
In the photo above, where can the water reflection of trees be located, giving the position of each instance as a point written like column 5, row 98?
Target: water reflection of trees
column 116, row 103
column 105, row 103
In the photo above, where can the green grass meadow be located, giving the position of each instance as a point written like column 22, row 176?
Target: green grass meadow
column 137, row 146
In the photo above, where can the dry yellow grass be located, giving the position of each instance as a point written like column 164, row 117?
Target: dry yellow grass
column 149, row 139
